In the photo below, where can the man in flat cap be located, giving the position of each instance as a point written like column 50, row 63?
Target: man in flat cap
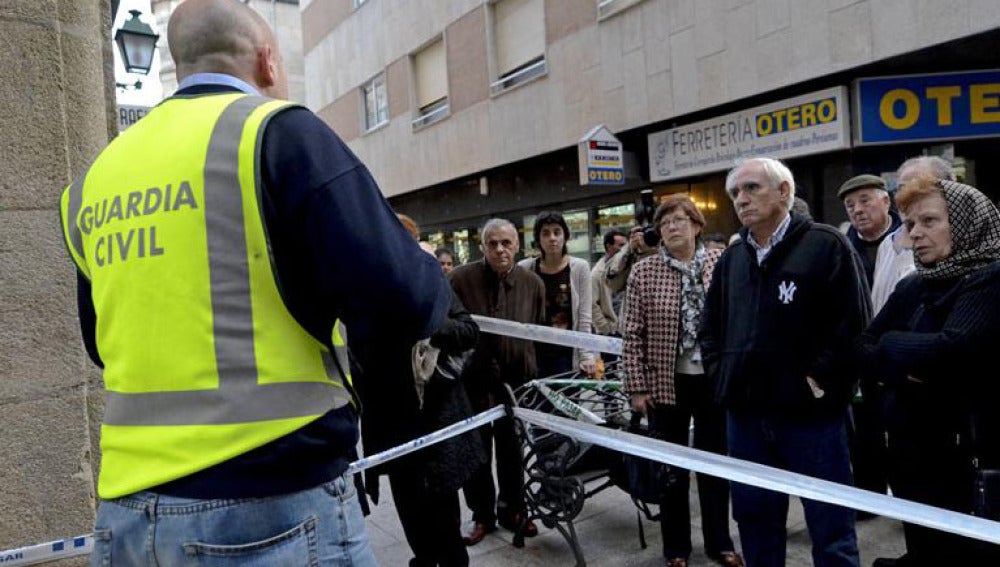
column 873, row 232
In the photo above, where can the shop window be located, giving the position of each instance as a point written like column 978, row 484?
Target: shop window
column 430, row 77
column 375, row 103
column 518, row 43
column 616, row 217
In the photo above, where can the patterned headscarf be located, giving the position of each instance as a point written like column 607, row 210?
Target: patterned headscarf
column 692, row 298
column 975, row 233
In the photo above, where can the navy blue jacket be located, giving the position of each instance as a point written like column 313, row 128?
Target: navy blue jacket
column 339, row 252
column 768, row 326
column 943, row 333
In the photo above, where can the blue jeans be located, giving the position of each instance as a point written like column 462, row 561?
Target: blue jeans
column 318, row 526
column 817, row 449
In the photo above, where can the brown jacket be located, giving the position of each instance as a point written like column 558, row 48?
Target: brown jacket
column 651, row 326
column 499, row 360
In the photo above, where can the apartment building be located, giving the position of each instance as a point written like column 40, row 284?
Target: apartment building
column 282, row 15
column 467, row 109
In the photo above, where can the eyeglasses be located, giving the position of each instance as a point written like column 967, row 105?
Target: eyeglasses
column 679, row 222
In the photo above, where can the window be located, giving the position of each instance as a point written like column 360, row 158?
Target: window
column 608, row 8
column 375, row 102
column 430, row 74
column 519, row 42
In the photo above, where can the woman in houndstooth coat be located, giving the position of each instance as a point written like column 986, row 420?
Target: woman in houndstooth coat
column 664, row 376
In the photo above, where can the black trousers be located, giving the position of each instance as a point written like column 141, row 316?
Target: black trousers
column 479, row 491
column 694, row 400
column 927, row 465
column 867, row 441
column 431, row 521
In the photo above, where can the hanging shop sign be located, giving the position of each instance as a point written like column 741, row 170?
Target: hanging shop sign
column 129, row 114
column 918, row 108
column 600, row 156
column 808, row 124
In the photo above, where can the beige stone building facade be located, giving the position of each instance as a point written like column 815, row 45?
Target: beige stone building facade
column 56, row 114
column 282, row 15
column 464, row 109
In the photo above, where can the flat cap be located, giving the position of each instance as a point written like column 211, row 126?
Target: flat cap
column 865, row 181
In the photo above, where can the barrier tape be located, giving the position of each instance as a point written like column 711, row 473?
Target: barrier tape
column 82, row 545
column 677, row 455
column 452, row 430
column 661, row 451
column 767, row 477
column 575, row 339
column 45, row 552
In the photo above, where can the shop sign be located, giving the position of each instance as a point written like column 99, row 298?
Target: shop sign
column 600, row 155
column 808, row 124
column 129, row 114
column 917, row 108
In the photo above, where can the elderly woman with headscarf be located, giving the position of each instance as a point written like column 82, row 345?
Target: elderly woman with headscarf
column 929, row 346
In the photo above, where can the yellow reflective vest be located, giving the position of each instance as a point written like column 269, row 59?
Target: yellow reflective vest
column 203, row 361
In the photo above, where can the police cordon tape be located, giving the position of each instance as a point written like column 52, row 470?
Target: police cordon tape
column 82, row 545
column 45, row 552
column 661, row 451
column 575, row 339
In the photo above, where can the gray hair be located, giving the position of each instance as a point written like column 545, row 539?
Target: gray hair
column 494, row 224
column 776, row 172
column 939, row 167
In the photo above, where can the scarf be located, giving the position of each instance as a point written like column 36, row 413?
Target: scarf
column 975, row 233
column 692, row 299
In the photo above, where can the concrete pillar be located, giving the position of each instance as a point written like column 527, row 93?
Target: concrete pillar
column 56, row 114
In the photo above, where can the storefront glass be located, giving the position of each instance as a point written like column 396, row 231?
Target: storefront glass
column 616, row 217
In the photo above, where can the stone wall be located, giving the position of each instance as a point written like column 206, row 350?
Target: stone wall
column 55, row 116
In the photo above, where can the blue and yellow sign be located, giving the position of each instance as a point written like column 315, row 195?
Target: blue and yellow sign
column 913, row 108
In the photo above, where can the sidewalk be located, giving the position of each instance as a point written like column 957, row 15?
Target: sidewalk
column 609, row 538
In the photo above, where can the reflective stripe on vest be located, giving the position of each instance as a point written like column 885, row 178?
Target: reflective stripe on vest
column 238, row 398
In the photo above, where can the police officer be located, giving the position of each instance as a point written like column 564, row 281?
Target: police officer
column 218, row 312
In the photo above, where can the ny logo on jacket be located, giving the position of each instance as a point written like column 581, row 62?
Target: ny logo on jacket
column 786, row 292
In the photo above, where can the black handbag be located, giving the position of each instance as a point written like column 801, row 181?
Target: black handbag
column 986, row 481
column 986, row 497
column 645, row 480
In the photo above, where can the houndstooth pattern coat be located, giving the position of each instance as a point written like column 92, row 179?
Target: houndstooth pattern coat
column 651, row 326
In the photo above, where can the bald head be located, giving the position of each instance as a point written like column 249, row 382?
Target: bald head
column 226, row 36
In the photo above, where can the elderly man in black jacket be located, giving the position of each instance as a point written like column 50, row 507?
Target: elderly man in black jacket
column 780, row 317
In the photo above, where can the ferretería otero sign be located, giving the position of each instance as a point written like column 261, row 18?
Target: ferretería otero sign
column 807, row 124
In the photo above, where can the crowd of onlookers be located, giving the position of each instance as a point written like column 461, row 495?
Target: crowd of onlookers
column 846, row 355
column 231, row 418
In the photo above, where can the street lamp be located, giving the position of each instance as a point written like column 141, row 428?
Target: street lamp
column 136, row 42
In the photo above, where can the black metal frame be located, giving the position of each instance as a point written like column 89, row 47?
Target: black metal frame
column 561, row 473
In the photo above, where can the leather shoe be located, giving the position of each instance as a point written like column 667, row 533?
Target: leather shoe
column 513, row 522
column 728, row 559
column 479, row 531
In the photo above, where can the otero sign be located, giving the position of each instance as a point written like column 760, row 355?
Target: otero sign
column 600, row 156
column 941, row 106
column 808, row 124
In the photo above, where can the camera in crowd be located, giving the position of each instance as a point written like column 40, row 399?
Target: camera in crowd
column 650, row 232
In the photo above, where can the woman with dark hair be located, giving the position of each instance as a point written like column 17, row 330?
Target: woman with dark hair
column 568, row 295
column 446, row 258
column 929, row 346
column 665, row 379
